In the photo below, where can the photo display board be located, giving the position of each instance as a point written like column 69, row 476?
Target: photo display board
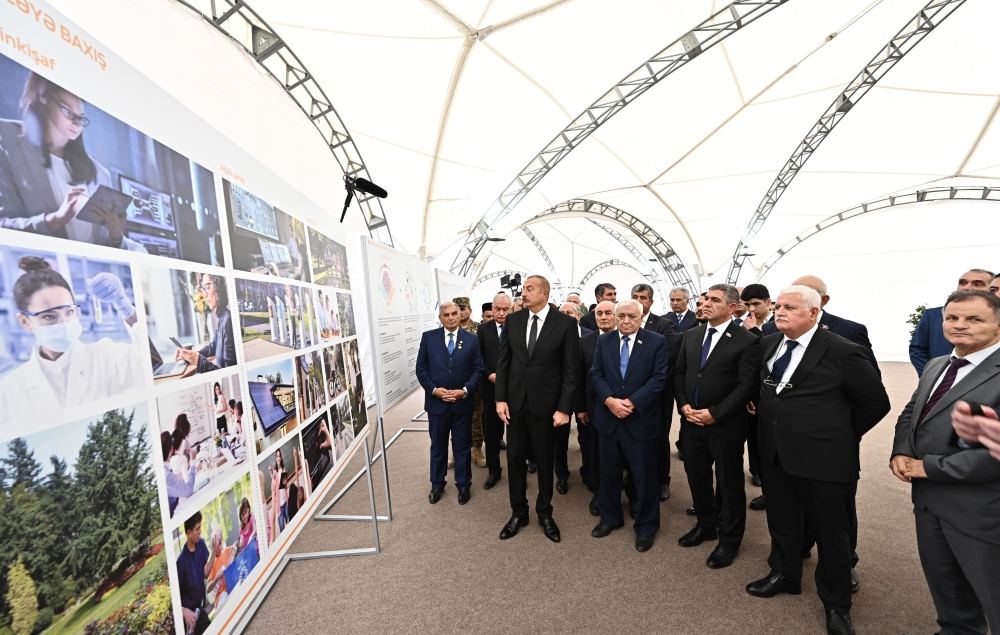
column 402, row 299
column 179, row 364
column 451, row 286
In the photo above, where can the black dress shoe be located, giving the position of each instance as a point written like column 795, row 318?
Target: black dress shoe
column 691, row 511
column 464, row 495
column 773, row 584
column 491, row 480
column 602, row 530
column 838, row 622
column 759, row 503
column 550, row 528
column 593, row 506
column 722, row 556
column 510, row 529
column 664, row 492
column 561, row 485
column 755, row 480
column 643, row 543
column 697, row 536
column 532, row 467
column 435, row 495
column 855, row 581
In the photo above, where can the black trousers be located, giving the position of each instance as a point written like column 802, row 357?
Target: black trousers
column 753, row 448
column 533, row 438
column 809, row 540
column 492, row 434
column 792, row 502
column 663, row 452
column 617, row 451
column 728, row 501
column 585, row 436
column 560, row 457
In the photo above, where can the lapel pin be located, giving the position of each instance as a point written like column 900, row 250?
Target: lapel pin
column 729, row 334
column 825, row 326
column 638, row 341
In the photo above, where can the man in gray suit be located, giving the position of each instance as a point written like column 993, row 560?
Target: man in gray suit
column 956, row 483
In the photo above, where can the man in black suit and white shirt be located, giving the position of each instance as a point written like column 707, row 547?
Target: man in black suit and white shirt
column 602, row 292
column 680, row 311
column 540, row 358
column 956, row 483
column 489, row 334
column 586, row 401
column 560, row 458
column 819, row 395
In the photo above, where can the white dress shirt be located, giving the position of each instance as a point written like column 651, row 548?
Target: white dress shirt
column 797, row 353
column 455, row 333
column 974, row 359
column 631, row 342
column 718, row 335
column 645, row 318
column 541, row 322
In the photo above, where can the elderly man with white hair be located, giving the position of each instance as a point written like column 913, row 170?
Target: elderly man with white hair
column 819, row 395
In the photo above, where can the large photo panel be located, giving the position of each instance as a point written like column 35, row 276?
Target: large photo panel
column 68, row 169
column 275, row 318
column 264, row 239
column 285, row 485
column 273, row 408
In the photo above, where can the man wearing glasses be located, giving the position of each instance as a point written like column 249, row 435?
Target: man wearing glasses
column 819, row 395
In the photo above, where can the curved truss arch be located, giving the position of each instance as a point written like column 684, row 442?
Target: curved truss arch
column 653, row 277
column 920, row 196
column 665, row 255
column 715, row 29
column 239, row 22
column 613, row 262
column 913, row 32
column 541, row 250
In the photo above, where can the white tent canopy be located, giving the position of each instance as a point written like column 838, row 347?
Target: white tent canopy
column 449, row 99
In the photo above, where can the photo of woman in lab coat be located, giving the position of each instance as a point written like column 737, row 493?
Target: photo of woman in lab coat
column 64, row 371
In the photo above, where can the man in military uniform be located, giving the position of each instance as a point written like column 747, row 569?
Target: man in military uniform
column 467, row 323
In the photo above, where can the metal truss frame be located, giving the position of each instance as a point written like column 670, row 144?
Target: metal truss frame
column 239, row 22
column 929, row 195
column 729, row 20
column 544, row 254
column 613, row 262
column 665, row 255
column 913, row 32
column 653, row 277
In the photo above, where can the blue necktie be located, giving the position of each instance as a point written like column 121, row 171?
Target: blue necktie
column 503, row 331
column 781, row 364
column 451, row 343
column 706, row 347
column 623, row 364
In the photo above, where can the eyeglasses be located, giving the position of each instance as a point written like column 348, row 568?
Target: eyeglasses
column 777, row 384
column 56, row 314
column 67, row 112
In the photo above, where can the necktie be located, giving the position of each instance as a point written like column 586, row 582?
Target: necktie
column 503, row 331
column 707, row 346
column 623, row 364
column 946, row 383
column 533, row 334
column 781, row 364
column 451, row 343
column 739, row 321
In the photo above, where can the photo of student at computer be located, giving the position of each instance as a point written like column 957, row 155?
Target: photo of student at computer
column 273, row 404
column 217, row 550
column 265, row 239
column 73, row 171
column 189, row 321
column 329, row 261
column 275, row 318
column 202, row 437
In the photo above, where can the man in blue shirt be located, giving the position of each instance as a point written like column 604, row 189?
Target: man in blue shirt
column 193, row 565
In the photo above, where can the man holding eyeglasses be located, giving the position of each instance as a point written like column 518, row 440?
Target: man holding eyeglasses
column 819, row 395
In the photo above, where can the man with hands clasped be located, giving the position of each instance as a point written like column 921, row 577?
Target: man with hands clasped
column 955, row 481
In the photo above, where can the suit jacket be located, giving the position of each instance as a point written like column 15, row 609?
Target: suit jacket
column 815, row 425
column 436, row 369
column 584, row 399
column 727, row 382
column 847, row 329
column 962, row 485
column 687, row 323
column 643, row 383
column 549, row 372
column 928, row 340
column 489, row 349
column 660, row 324
column 589, row 321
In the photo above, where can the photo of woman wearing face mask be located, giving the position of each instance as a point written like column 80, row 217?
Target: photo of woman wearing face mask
column 64, row 371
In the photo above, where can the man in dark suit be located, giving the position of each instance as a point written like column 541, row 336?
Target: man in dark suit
column 585, row 400
column 602, row 292
column 928, row 340
column 490, row 334
column 714, row 380
column 539, row 354
column 629, row 373
column 449, row 368
column 819, row 395
column 680, row 310
column 757, row 299
column 956, row 483
column 560, row 459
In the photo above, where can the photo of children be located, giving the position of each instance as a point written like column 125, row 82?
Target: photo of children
column 69, row 333
column 336, row 377
column 73, row 171
column 217, row 549
column 81, row 529
column 343, row 429
column 309, row 381
column 265, row 240
column 285, row 486
column 346, row 305
column 202, row 438
column 317, row 448
column 329, row 261
column 272, row 401
column 328, row 316
column 189, row 323
column 274, row 318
